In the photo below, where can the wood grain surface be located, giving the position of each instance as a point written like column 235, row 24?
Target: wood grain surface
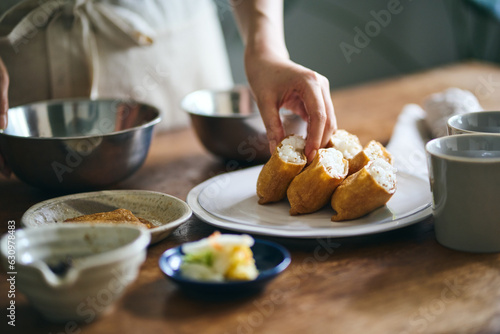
column 400, row 281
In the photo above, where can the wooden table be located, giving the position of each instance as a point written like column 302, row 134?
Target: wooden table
column 400, row 281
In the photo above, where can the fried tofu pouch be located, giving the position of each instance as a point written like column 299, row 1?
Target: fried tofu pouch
column 347, row 143
column 118, row 216
column 313, row 187
column 285, row 163
column 371, row 151
column 364, row 191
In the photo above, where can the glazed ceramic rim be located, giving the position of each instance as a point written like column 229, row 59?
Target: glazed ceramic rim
column 432, row 150
column 156, row 232
column 137, row 244
column 452, row 122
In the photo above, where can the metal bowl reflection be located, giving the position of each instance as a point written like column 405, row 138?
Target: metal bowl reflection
column 229, row 125
column 77, row 144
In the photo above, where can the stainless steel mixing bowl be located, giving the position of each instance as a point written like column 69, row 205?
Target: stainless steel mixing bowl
column 229, row 125
column 77, row 144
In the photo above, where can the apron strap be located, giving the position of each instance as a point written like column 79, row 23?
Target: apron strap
column 64, row 19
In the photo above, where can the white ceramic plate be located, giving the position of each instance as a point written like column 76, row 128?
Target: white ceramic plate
column 229, row 201
column 165, row 211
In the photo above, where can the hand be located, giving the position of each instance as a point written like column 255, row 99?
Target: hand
column 278, row 82
column 4, row 106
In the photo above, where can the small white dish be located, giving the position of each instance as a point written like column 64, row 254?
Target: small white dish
column 61, row 267
column 165, row 211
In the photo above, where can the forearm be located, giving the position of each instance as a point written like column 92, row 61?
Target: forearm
column 261, row 26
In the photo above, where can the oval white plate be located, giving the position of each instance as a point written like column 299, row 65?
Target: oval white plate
column 165, row 211
column 229, row 201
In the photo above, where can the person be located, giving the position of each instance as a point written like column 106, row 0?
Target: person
column 113, row 37
column 4, row 106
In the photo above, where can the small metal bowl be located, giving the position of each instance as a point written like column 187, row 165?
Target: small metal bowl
column 229, row 125
column 77, row 144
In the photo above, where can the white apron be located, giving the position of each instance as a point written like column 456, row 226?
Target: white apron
column 151, row 51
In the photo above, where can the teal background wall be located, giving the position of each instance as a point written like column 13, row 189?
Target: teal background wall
column 418, row 34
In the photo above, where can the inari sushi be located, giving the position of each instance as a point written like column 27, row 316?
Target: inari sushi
column 285, row 163
column 370, row 152
column 364, row 191
column 347, row 143
column 313, row 187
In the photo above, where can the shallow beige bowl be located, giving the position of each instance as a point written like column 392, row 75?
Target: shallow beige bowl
column 165, row 211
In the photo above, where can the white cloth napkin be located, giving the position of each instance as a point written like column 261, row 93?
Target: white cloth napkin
column 407, row 144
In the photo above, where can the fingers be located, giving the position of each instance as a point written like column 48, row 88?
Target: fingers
column 322, row 120
column 272, row 121
column 331, row 120
column 277, row 84
column 316, row 109
column 4, row 106
column 3, row 113
column 298, row 108
column 4, row 100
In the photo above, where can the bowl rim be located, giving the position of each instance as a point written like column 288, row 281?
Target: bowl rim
column 453, row 121
column 155, row 232
column 432, row 151
column 263, row 275
column 284, row 113
column 153, row 122
column 235, row 89
column 138, row 243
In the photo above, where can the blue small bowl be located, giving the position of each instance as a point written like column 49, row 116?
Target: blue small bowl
column 270, row 258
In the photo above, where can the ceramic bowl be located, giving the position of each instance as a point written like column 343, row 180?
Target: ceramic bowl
column 164, row 211
column 271, row 259
column 75, row 272
column 77, row 144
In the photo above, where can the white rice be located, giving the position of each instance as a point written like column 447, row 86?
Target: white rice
column 383, row 173
column 347, row 143
column 291, row 149
column 373, row 150
column 332, row 160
